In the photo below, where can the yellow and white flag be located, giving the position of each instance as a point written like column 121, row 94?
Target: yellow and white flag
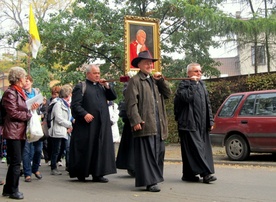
column 35, row 40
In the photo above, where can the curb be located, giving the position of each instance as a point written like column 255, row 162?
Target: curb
column 232, row 163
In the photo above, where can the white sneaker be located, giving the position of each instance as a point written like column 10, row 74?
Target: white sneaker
column 55, row 172
column 60, row 163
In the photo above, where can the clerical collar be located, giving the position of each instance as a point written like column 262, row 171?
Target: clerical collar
column 95, row 83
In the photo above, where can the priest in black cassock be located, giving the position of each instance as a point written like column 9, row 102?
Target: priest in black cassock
column 145, row 106
column 125, row 154
column 91, row 148
column 193, row 113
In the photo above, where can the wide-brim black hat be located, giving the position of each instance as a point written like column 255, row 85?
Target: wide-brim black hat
column 144, row 55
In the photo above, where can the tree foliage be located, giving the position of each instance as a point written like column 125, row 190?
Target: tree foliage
column 92, row 31
column 87, row 35
column 14, row 35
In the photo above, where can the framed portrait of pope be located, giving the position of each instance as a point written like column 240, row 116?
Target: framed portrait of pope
column 141, row 33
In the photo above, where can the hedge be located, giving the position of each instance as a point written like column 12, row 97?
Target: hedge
column 219, row 89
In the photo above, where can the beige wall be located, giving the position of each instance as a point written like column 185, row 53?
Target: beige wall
column 246, row 66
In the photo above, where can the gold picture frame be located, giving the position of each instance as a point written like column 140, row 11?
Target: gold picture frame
column 150, row 26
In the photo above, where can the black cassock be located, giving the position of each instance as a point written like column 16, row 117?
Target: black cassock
column 149, row 153
column 125, row 155
column 196, row 146
column 91, row 148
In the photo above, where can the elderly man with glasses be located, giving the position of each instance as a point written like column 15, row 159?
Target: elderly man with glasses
column 194, row 116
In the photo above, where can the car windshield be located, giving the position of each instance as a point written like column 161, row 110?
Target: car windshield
column 230, row 106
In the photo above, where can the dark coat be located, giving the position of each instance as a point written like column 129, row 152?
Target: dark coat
column 17, row 115
column 184, row 106
column 91, row 147
column 194, row 115
column 125, row 154
column 141, row 104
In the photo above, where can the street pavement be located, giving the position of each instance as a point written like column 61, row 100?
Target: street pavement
column 251, row 180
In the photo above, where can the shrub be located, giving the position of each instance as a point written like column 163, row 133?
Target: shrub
column 219, row 89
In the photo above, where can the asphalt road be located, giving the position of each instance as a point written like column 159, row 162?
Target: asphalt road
column 252, row 180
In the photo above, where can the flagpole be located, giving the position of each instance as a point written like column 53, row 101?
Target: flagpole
column 34, row 39
column 29, row 56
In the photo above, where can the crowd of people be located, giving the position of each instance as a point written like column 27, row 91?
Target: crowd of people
column 82, row 127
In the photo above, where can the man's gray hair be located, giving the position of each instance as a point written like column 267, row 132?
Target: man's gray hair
column 15, row 74
column 189, row 66
column 87, row 67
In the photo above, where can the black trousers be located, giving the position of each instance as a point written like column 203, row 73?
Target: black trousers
column 14, row 153
column 56, row 145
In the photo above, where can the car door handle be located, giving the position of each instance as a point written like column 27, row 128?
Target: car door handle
column 244, row 122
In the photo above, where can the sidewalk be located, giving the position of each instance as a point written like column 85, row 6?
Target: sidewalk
column 173, row 154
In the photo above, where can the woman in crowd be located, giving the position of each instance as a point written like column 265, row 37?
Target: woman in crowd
column 16, row 117
column 61, row 124
column 32, row 151
column 47, row 144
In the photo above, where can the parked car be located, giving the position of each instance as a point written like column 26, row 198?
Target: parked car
column 246, row 122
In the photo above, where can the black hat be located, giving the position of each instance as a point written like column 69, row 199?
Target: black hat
column 144, row 55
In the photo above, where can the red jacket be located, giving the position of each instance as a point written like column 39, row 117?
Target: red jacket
column 17, row 115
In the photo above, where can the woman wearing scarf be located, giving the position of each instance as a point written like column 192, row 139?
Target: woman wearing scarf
column 61, row 125
column 17, row 115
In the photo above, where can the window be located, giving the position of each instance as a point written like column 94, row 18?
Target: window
column 260, row 55
column 260, row 105
column 230, row 106
column 266, row 104
column 248, row 106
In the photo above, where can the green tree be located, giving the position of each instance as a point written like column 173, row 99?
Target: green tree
column 94, row 30
column 89, row 31
column 260, row 28
column 15, row 35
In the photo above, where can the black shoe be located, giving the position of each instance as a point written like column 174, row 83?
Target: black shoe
column 100, row 179
column 21, row 172
column 153, row 188
column 38, row 175
column 17, row 195
column 5, row 194
column 190, row 179
column 131, row 172
column 209, row 178
column 81, row 179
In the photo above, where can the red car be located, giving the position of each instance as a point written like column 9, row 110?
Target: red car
column 246, row 122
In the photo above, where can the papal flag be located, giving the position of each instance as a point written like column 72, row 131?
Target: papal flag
column 34, row 36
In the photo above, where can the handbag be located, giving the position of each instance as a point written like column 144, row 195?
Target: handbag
column 34, row 129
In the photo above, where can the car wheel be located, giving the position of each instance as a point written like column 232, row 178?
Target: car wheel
column 236, row 148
